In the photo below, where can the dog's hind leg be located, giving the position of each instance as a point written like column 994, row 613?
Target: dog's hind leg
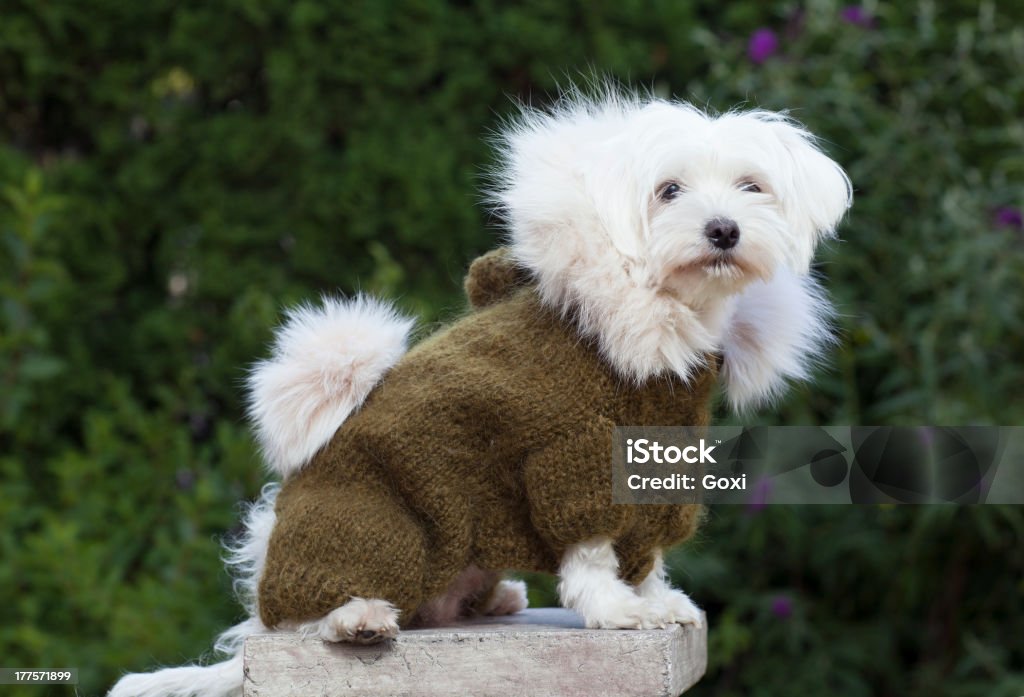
column 345, row 563
column 359, row 621
column 474, row 592
column 506, row 598
column 459, row 599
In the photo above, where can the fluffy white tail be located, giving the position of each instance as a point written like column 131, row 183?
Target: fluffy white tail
column 218, row 680
column 326, row 360
column 245, row 559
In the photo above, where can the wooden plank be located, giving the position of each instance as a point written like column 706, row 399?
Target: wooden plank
column 542, row 652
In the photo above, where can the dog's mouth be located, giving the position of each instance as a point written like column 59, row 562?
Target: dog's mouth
column 722, row 264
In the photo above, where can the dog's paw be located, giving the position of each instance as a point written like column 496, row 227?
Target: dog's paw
column 679, row 609
column 360, row 621
column 624, row 612
column 507, row 598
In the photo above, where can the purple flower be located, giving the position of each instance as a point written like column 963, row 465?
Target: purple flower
column 1008, row 216
column 782, row 607
column 762, row 45
column 855, row 14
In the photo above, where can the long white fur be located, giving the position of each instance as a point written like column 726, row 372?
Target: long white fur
column 677, row 606
column 246, row 560
column 578, row 187
column 779, row 328
column 326, row 360
column 219, row 680
column 589, row 583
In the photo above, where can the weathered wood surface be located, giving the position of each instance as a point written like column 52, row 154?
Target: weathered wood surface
column 542, row 652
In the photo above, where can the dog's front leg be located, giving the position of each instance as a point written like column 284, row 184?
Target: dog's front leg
column 590, row 585
column 678, row 606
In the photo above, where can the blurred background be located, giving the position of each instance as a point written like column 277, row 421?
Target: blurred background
column 174, row 173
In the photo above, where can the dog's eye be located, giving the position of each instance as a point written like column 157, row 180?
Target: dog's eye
column 751, row 187
column 670, row 191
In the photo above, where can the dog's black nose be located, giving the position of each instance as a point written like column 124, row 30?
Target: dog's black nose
column 723, row 233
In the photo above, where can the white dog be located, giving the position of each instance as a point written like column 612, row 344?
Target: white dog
column 668, row 234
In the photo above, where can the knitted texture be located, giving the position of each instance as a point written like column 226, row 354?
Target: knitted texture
column 494, row 277
column 489, row 443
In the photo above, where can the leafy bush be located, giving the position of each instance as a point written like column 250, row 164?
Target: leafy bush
column 173, row 173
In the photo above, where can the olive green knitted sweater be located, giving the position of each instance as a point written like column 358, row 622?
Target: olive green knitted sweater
column 489, row 443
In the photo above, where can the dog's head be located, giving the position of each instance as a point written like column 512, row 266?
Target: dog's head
column 729, row 199
column 644, row 218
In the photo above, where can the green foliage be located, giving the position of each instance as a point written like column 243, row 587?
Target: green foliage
column 172, row 173
column 862, row 601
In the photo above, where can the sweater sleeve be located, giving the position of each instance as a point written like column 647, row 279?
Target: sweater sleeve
column 569, row 487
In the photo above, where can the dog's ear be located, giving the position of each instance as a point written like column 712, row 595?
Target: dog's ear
column 813, row 189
